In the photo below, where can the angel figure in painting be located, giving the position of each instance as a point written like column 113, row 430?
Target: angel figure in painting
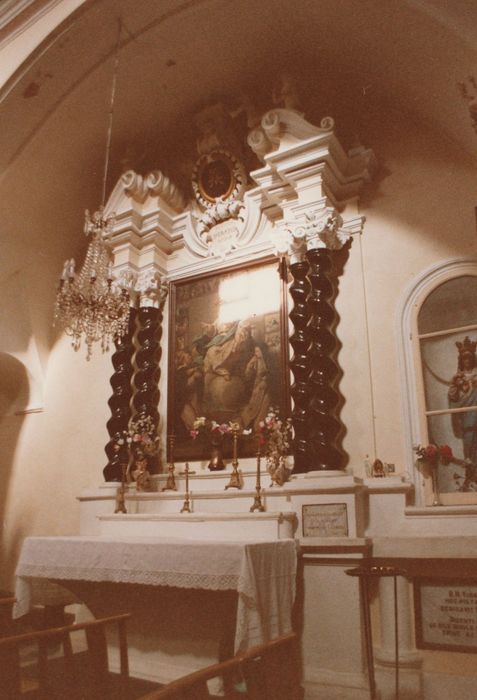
column 463, row 393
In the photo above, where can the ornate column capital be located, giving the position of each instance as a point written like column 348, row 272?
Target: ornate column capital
column 314, row 229
column 152, row 289
column 322, row 229
column 126, row 281
column 287, row 245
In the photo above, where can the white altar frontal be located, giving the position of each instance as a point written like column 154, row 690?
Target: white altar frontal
column 208, row 563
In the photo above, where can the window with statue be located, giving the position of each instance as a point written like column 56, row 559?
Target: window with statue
column 447, row 338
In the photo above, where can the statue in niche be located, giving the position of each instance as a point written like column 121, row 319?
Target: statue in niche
column 285, row 94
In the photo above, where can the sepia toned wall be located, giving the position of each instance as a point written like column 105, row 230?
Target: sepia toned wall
column 53, row 404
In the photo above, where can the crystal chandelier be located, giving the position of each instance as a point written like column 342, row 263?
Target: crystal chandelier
column 92, row 306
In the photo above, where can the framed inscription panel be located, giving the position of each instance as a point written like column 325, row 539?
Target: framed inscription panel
column 325, row 520
column 228, row 354
column 446, row 614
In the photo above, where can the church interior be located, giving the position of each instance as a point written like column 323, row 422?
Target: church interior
column 267, row 423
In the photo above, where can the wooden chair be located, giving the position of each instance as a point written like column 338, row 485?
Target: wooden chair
column 6, row 623
column 70, row 675
column 267, row 672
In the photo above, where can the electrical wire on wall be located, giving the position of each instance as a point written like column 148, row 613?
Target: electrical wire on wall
column 368, row 348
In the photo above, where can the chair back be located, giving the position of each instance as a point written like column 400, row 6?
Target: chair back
column 272, row 671
column 266, row 672
column 64, row 676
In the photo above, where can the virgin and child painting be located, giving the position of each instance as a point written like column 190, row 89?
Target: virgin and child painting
column 227, row 354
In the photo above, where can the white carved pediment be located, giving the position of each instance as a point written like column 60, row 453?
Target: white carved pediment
column 135, row 188
column 305, row 196
column 279, row 126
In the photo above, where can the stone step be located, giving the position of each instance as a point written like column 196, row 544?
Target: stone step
column 209, row 526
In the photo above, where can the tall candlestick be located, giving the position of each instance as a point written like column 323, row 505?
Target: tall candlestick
column 121, row 491
column 257, row 503
column 186, row 507
column 235, row 476
column 171, row 481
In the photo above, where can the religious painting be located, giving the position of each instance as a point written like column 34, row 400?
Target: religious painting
column 228, row 354
column 447, row 327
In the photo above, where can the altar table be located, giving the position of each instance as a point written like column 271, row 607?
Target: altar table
column 262, row 573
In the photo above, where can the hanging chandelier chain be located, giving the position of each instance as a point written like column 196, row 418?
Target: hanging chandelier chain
column 93, row 306
column 111, row 112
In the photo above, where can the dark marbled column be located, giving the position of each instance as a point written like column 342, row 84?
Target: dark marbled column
column 323, row 421
column 300, row 364
column 146, row 377
column 120, row 401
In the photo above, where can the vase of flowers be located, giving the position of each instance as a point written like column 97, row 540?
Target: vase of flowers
column 142, row 444
column 214, row 432
column 274, row 436
column 430, row 457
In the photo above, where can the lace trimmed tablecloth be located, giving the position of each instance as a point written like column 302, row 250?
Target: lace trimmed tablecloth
column 262, row 573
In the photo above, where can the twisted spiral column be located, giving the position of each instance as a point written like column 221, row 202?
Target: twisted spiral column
column 299, row 364
column 120, row 401
column 146, row 377
column 323, row 423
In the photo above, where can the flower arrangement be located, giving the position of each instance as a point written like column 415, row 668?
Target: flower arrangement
column 430, row 456
column 216, row 432
column 275, row 434
column 433, row 454
column 140, row 437
column 204, row 426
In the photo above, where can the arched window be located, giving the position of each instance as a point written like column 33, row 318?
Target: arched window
column 439, row 337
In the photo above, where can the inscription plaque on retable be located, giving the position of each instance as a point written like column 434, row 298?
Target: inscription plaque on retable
column 325, row 520
column 446, row 615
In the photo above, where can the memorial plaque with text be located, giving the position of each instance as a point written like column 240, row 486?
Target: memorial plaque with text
column 325, row 520
column 446, row 615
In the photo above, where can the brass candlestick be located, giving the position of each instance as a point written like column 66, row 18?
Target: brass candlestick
column 186, row 507
column 234, row 482
column 121, row 492
column 257, row 502
column 171, row 481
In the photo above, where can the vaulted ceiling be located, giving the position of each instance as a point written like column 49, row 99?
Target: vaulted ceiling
column 348, row 56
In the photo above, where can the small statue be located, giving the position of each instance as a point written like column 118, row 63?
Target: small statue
column 141, row 474
column 378, row 468
column 278, row 470
column 171, row 480
column 285, row 94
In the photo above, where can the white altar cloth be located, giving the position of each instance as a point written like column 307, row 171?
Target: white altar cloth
column 262, row 573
